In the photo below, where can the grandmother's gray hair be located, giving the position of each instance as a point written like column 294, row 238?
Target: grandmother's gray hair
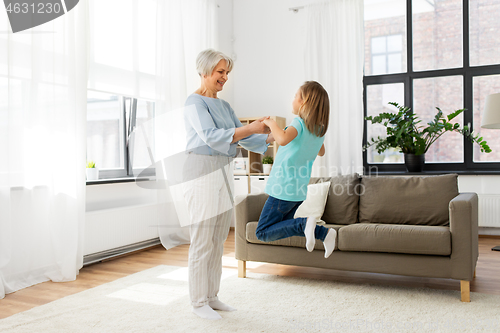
column 208, row 59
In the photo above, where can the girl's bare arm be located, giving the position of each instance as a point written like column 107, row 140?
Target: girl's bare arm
column 281, row 136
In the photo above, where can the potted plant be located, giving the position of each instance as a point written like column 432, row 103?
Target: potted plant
column 267, row 163
column 91, row 171
column 405, row 133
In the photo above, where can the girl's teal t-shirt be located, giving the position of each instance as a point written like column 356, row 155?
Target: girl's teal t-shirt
column 292, row 166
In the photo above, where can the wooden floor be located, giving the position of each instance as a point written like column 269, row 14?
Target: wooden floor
column 487, row 274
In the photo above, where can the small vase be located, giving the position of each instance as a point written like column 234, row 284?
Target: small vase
column 267, row 168
column 92, row 173
column 414, row 163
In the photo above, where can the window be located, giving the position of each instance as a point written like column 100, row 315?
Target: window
column 437, row 34
column 385, row 37
column 120, row 128
column 120, row 135
column 433, row 53
column 386, row 54
column 445, row 92
column 482, row 87
column 378, row 96
column 483, row 32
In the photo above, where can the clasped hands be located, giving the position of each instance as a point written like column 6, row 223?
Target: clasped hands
column 261, row 126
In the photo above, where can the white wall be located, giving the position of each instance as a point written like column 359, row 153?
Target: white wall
column 479, row 184
column 269, row 50
column 487, row 187
column 225, row 42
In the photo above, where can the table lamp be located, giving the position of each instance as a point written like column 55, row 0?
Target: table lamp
column 491, row 120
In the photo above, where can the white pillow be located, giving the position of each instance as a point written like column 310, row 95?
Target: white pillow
column 315, row 202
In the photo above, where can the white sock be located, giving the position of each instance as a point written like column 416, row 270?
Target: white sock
column 329, row 242
column 218, row 305
column 206, row 312
column 309, row 233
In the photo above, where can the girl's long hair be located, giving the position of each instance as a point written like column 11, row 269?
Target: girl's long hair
column 315, row 109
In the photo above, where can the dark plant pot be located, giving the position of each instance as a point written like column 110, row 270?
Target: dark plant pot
column 414, row 163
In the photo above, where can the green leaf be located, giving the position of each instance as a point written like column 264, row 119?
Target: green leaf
column 455, row 114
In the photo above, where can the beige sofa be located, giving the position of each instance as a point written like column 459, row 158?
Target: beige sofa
column 415, row 226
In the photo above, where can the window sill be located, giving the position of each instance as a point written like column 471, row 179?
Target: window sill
column 119, row 180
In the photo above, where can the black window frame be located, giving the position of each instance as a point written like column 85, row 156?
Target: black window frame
column 129, row 116
column 468, row 166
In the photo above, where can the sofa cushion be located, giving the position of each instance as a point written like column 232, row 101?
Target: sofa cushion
column 295, row 241
column 408, row 239
column 407, row 200
column 314, row 205
column 343, row 198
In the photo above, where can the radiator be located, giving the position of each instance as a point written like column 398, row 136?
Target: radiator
column 119, row 227
column 489, row 210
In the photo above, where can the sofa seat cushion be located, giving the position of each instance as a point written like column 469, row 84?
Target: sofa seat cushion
column 295, row 241
column 408, row 239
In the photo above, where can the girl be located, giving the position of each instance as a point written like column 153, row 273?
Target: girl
column 287, row 185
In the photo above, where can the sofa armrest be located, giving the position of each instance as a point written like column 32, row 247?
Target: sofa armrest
column 464, row 235
column 247, row 208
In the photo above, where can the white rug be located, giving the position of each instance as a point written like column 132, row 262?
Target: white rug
column 156, row 300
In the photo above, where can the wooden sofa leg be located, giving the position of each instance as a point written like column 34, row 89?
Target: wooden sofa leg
column 474, row 273
column 242, row 268
column 465, row 290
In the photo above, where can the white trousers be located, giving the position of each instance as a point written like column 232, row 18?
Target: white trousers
column 210, row 205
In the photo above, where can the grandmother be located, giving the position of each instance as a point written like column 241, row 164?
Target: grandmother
column 213, row 133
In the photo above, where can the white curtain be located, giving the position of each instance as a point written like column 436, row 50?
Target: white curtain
column 334, row 57
column 186, row 27
column 148, row 50
column 123, row 46
column 43, row 77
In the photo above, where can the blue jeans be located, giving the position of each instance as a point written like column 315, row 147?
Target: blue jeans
column 276, row 221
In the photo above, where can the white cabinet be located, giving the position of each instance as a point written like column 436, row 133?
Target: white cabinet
column 240, row 188
column 240, row 185
column 258, row 184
